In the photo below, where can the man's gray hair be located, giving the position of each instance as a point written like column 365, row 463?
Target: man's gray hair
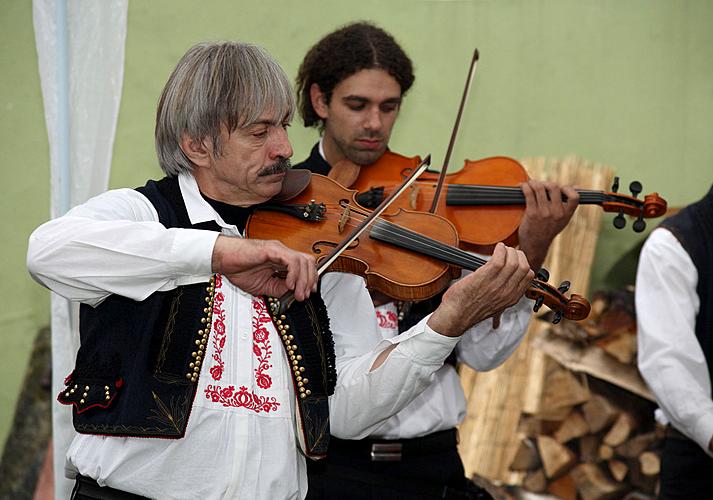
column 214, row 84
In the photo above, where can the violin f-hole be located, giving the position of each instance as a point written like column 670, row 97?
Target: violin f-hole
column 330, row 245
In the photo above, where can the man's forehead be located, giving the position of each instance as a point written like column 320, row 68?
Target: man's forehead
column 369, row 84
column 268, row 118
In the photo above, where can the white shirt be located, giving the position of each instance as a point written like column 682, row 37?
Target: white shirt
column 670, row 358
column 442, row 405
column 234, row 447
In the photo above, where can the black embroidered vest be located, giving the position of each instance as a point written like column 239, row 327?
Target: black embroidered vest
column 693, row 227
column 138, row 364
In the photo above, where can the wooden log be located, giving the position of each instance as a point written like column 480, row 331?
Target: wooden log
column 650, row 463
column 556, row 459
column 563, row 488
column 618, row 469
column 589, row 448
column 621, row 429
column 535, row 481
column 636, row 445
column 573, row 426
column 605, row 452
column 599, row 303
column 562, row 390
column 620, row 345
column 599, row 413
column 640, row 480
column 592, row 484
column 526, row 457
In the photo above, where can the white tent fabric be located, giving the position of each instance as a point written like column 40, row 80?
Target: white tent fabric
column 80, row 48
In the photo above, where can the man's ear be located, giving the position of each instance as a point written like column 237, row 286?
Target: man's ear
column 196, row 150
column 319, row 101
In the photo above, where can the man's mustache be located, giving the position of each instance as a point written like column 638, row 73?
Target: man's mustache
column 282, row 165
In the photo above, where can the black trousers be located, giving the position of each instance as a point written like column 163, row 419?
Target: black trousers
column 427, row 470
column 86, row 488
column 686, row 470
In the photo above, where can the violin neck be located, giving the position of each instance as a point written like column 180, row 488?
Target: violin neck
column 464, row 195
column 388, row 232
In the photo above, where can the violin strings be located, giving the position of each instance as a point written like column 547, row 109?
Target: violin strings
column 412, row 240
column 393, row 233
column 505, row 194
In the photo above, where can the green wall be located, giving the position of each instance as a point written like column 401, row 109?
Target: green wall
column 626, row 83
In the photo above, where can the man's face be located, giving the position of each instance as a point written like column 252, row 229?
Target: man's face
column 251, row 166
column 359, row 117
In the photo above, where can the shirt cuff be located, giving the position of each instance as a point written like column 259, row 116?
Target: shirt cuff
column 192, row 252
column 424, row 345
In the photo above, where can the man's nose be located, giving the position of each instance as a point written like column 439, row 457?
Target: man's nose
column 281, row 147
column 373, row 119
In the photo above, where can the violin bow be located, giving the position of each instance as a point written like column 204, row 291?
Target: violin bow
column 456, row 126
column 287, row 299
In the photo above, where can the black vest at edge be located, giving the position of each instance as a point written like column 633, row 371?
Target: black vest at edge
column 693, row 227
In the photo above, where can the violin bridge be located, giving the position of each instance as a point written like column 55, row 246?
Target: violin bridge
column 344, row 218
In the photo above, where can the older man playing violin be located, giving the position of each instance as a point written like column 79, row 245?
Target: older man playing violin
column 190, row 382
column 351, row 86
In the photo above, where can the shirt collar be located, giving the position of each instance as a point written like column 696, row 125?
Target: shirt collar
column 198, row 209
column 321, row 148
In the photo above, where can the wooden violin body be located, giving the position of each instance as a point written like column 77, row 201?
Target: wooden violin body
column 406, row 255
column 322, row 216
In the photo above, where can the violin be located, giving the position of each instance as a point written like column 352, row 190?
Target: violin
column 483, row 199
column 406, row 255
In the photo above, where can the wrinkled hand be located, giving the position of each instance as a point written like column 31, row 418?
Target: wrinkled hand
column 500, row 283
column 258, row 267
column 545, row 216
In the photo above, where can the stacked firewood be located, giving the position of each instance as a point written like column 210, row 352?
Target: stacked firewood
column 605, row 447
column 594, row 436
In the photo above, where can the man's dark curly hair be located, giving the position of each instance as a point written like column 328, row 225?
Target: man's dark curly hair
column 344, row 52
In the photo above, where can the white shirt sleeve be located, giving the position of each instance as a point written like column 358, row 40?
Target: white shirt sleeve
column 114, row 244
column 363, row 399
column 484, row 348
column 669, row 356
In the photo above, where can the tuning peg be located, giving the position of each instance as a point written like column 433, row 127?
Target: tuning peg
column 635, row 188
column 538, row 303
column 639, row 224
column 564, row 286
column 619, row 220
column 543, row 274
column 557, row 318
column 615, row 185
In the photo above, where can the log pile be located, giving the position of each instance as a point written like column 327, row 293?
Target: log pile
column 605, row 447
column 609, row 445
column 592, row 437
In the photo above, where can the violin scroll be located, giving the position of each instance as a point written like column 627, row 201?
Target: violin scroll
column 574, row 308
column 651, row 206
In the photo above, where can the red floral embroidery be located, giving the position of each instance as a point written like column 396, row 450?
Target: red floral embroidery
column 262, row 350
column 261, row 343
column 388, row 320
column 216, row 370
column 241, row 399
